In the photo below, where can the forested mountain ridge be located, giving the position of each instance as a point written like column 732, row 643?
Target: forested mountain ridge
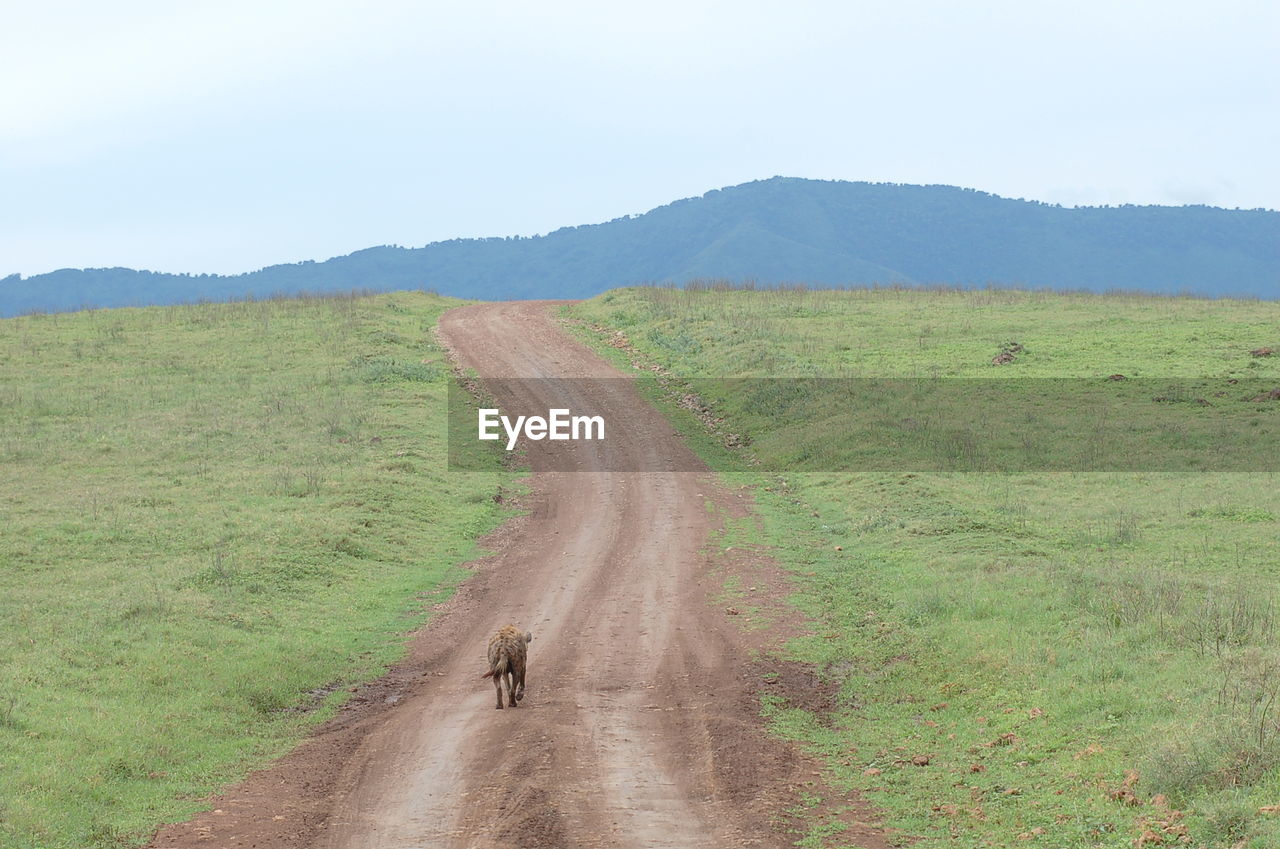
column 772, row 231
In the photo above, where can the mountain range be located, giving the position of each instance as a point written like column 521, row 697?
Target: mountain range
column 781, row 230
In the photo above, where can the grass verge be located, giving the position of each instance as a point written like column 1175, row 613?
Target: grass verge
column 217, row 518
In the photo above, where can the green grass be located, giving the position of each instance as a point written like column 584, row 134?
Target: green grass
column 1057, row 645
column 216, row 519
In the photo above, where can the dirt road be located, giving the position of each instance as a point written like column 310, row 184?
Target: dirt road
column 639, row 728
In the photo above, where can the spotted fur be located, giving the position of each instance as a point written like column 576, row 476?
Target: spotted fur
column 507, row 657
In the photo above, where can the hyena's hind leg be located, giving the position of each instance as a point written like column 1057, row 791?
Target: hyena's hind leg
column 511, row 687
column 524, row 663
column 497, row 685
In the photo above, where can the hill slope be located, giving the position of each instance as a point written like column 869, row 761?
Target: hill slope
column 777, row 230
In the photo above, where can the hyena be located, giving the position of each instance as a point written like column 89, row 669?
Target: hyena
column 507, row 656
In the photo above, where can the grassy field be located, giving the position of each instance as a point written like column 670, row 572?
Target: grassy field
column 214, row 519
column 1067, row 659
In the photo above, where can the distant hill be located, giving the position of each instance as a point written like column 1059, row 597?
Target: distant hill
column 772, row 231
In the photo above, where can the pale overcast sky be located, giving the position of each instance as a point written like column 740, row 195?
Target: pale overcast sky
column 226, row 136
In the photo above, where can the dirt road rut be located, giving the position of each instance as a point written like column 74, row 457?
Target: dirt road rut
column 638, row 728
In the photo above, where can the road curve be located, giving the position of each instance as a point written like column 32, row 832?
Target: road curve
column 638, row 728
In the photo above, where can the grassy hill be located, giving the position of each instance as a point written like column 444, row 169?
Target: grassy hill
column 1085, row 659
column 777, row 230
column 216, row 518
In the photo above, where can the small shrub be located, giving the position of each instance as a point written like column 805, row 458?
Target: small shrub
column 387, row 370
column 1232, row 618
column 105, row 835
column 1236, row 748
column 1231, row 817
column 8, row 706
column 266, row 700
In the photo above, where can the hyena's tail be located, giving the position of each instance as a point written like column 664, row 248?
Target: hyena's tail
column 499, row 668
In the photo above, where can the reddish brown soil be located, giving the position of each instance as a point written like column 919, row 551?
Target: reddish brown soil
column 640, row 725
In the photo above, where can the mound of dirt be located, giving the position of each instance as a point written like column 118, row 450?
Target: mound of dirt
column 1007, row 352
